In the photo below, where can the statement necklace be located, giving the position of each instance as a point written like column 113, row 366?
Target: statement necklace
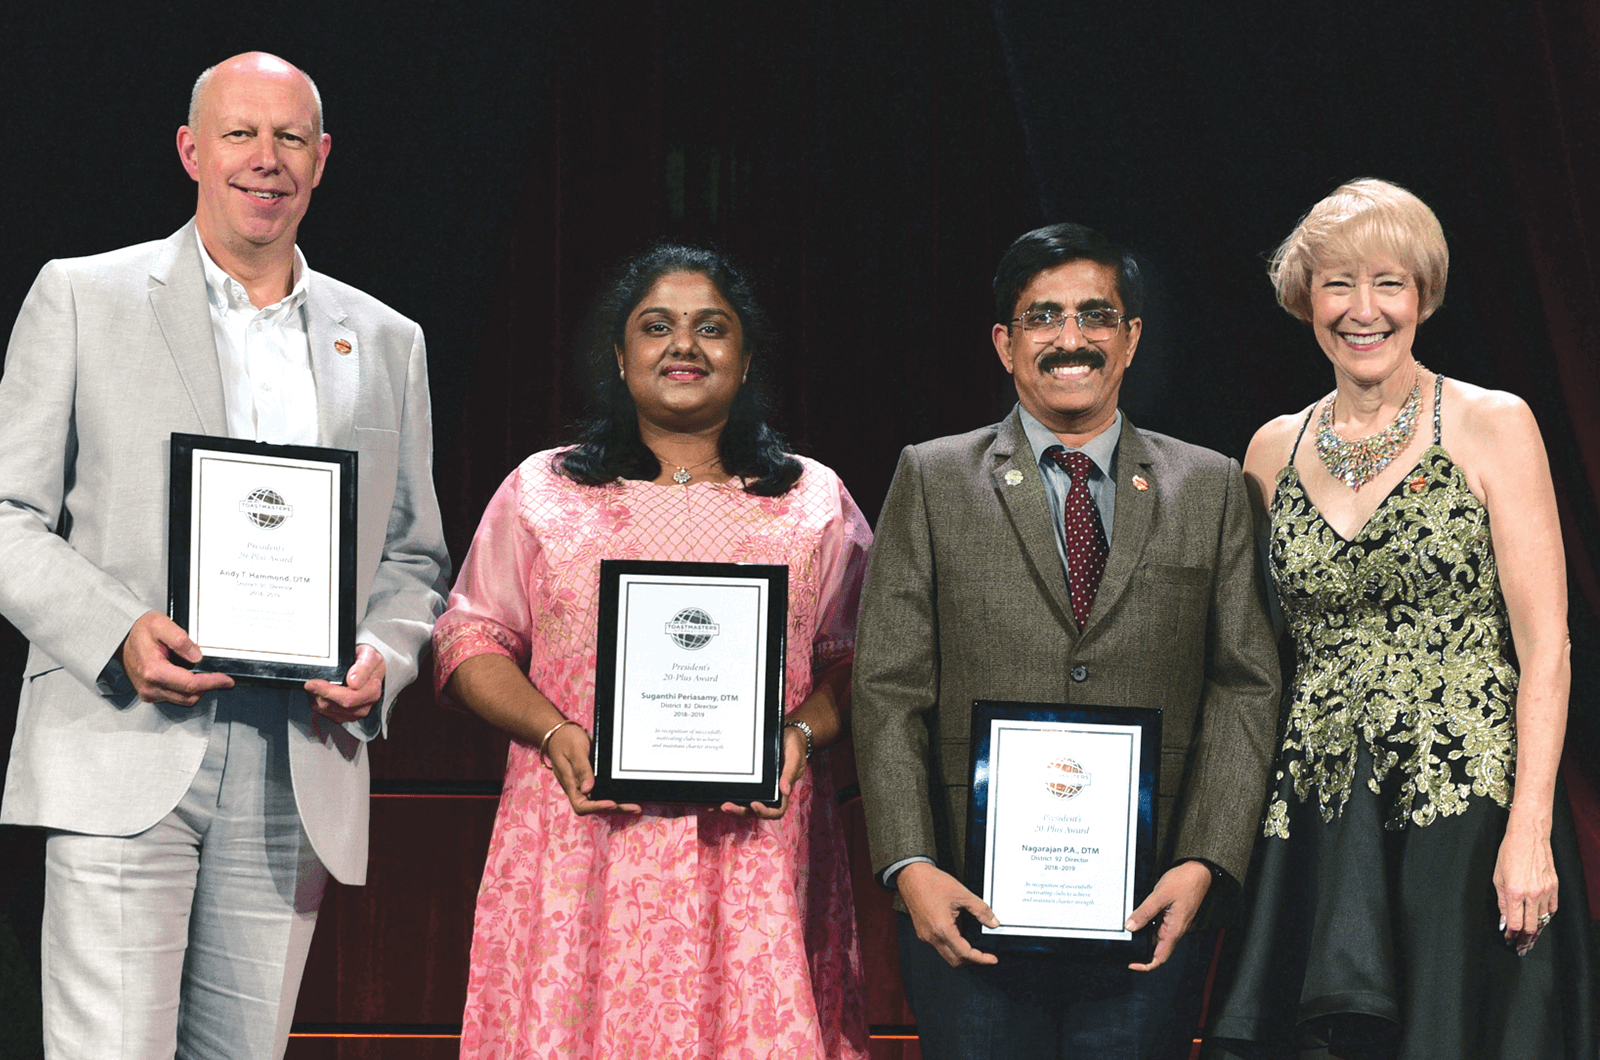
column 1356, row 461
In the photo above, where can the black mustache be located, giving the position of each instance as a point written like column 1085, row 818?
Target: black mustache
column 1065, row 358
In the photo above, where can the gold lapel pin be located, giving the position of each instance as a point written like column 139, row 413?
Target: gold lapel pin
column 1140, row 483
column 342, row 346
column 1013, row 477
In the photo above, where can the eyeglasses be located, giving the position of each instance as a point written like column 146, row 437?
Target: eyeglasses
column 1043, row 325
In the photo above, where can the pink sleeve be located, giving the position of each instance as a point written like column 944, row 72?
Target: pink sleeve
column 843, row 563
column 488, row 610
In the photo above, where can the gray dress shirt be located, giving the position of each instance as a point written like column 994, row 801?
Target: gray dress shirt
column 1101, row 450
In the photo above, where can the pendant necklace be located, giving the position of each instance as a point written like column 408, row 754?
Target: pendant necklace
column 683, row 474
column 1356, row 461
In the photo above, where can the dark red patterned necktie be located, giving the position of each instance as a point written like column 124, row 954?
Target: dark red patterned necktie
column 1086, row 538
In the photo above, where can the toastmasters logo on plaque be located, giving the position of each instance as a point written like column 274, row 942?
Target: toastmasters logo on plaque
column 689, row 707
column 261, row 561
column 265, row 508
column 692, row 629
column 1065, row 779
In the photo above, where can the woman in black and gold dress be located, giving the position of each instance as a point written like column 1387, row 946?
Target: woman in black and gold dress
column 1417, row 892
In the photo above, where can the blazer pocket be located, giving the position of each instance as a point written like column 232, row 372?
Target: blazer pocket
column 1174, row 574
column 38, row 663
column 377, row 439
column 1181, row 597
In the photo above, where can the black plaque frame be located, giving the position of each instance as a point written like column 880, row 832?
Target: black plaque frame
column 609, row 659
column 1140, row 947
column 181, row 551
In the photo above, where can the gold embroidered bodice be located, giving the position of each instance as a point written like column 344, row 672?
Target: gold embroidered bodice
column 1402, row 643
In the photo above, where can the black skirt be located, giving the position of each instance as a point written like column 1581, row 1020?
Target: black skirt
column 1384, row 944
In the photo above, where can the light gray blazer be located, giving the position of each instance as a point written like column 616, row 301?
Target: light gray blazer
column 965, row 599
column 110, row 355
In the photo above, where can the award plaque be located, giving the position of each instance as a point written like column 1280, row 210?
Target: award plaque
column 261, row 557
column 688, row 689
column 1061, row 826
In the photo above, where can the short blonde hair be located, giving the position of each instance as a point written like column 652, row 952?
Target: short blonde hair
column 1361, row 220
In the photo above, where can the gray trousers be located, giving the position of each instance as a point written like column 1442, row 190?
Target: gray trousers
column 187, row 939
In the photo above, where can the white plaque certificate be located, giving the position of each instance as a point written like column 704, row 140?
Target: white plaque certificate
column 261, row 563
column 1062, row 821
column 689, row 681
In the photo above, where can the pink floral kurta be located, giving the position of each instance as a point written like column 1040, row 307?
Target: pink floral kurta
column 682, row 934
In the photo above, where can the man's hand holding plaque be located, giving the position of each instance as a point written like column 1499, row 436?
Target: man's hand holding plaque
column 147, row 655
column 935, row 899
column 362, row 688
column 1174, row 902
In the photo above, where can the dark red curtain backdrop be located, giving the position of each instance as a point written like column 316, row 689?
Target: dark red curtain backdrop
column 1541, row 63
column 866, row 163
column 869, row 162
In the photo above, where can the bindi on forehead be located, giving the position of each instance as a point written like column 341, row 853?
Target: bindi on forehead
column 707, row 311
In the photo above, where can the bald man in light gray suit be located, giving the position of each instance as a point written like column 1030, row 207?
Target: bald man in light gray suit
column 193, row 824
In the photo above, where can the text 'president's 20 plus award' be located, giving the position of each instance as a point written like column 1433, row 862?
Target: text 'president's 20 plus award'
column 689, row 681
column 261, row 564
column 1062, row 825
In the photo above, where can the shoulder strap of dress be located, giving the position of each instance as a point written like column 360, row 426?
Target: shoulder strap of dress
column 1296, row 447
column 1438, row 393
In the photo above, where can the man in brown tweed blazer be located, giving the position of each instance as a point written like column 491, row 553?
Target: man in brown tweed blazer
column 969, row 595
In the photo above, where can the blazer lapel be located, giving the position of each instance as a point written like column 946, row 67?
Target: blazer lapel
column 1131, row 527
column 1016, row 479
column 335, row 363
column 178, row 300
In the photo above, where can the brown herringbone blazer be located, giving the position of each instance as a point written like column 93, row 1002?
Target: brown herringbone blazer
column 965, row 599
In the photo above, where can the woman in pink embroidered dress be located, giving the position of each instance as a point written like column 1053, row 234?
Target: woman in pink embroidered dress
column 658, row 932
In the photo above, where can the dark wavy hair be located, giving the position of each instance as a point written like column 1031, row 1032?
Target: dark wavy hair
column 609, row 446
column 1045, row 248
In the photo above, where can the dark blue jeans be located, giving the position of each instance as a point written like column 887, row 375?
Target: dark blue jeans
column 1040, row 1008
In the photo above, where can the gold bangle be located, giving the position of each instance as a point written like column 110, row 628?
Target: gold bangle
column 544, row 757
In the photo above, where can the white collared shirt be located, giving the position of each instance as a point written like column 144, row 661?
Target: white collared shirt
column 265, row 356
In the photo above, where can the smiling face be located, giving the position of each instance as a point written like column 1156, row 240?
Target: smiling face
column 1068, row 383
column 256, row 155
column 683, row 354
column 1365, row 316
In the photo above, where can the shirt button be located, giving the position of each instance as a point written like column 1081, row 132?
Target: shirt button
column 268, row 388
column 1080, row 673
column 258, row 325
